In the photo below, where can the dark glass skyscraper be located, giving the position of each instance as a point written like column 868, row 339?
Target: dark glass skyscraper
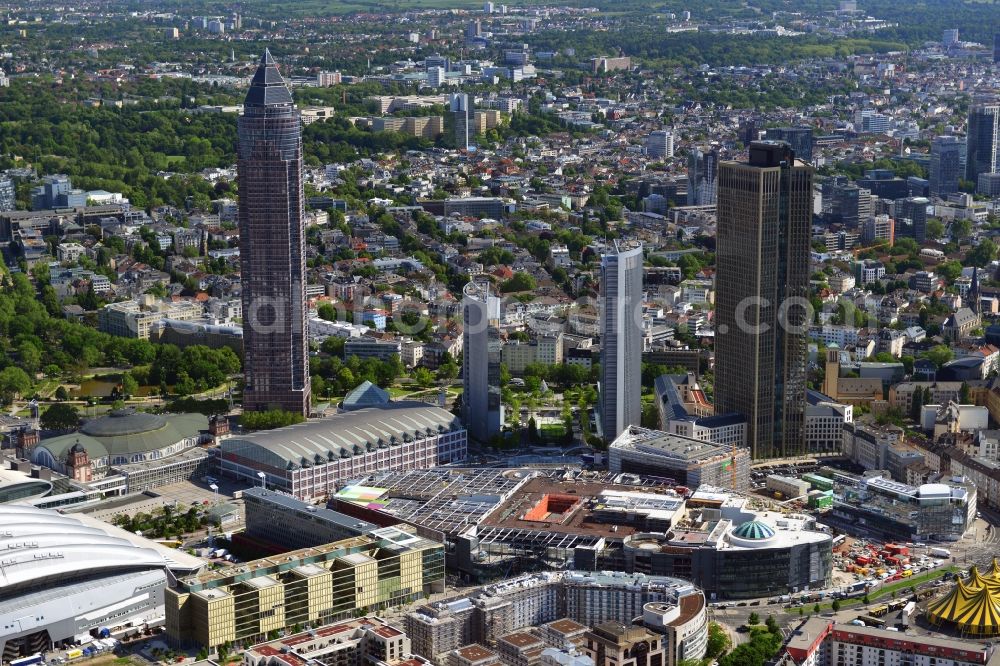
column 761, row 299
column 946, row 165
column 800, row 138
column 703, row 175
column 982, row 153
column 272, row 246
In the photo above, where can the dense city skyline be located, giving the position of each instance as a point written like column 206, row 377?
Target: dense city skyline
column 461, row 333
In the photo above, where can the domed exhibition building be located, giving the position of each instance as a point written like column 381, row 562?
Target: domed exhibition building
column 739, row 556
column 64, row 578
column 127, row 451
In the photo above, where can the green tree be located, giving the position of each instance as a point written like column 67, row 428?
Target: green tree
column 423, row 377
column 14, row 382
column 753, row 618
column 327, row 311
column 836, row 605
column 129, row 384
column 939, row 355
column 270, row 419
column 960, row 229
column 917, row 405
column 982, row 253
column 935, row 228
column 718, row 640
column 761, row 647
column 950, row 270
column 519, row 282
column 60, row 416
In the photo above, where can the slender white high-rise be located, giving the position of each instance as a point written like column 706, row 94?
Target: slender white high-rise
column 621, row 339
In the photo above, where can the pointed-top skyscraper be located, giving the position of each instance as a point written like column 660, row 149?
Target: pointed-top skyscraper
column 272, row 246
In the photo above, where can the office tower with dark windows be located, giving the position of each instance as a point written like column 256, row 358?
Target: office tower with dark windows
column 462, row 114
column 799, row 138
column 982, row 153
column 996, row 47
column 761, row 302
column 911, row 215
column 946, row 165
column 481, row 404
column 621, row 339
column 703, row 172
column 660, row 144
column 750, row 130
column 272, row 246
column 8, row 194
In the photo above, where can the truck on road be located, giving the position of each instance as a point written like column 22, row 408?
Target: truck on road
column 939, row 552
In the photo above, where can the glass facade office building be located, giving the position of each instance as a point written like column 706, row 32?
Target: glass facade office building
column 762, row 289
column 272, row 246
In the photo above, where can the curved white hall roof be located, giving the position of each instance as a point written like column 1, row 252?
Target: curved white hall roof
column 38, row 546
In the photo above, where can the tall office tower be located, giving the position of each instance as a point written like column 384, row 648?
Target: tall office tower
column 8, row 194
column 621, row 339
column 996, row 47
column 982, row 153
column 799, row 138
column 762, row 289
column 272, row 246
column 462, row 114
column 703, row 172
column 660, row 144
column 435, row 77
column 481, row 404
column 749, row 131
column 911, row 214
column 850, row 205
column 946, row 162
column 949, row 37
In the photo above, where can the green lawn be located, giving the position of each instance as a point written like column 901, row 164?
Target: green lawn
column 552, row 430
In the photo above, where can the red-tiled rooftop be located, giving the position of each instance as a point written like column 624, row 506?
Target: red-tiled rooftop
column 690, row 606
column 335, row 629
column 567, row 626
column 294, row 659
column 475, row 652
column 521, row 639
column 297, row 639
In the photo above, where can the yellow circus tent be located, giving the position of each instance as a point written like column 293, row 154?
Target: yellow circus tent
column 995, row 569
column 972, row 606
